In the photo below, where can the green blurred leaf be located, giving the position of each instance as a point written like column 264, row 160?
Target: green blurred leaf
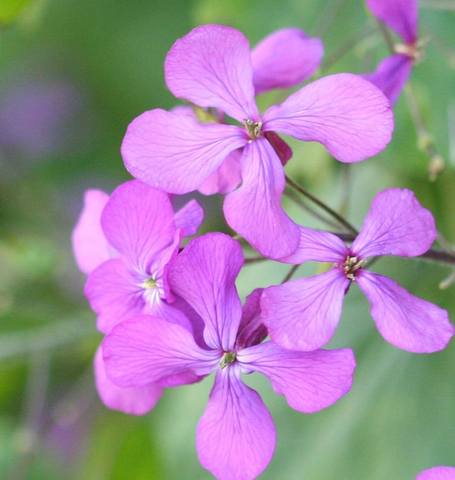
column 11, row 9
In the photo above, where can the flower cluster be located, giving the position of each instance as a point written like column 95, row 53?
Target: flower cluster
column 169, row 310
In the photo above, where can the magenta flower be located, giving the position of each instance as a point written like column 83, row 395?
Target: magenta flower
column 212, row 67
column 236, row 435
column 303, row 314
column 437, row 473
column 393, row 72
column 124, row 242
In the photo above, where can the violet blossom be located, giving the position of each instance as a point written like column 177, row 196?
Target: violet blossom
column 304, row 313
column 212, row 67
column 437, row 473
column 235, row 437
column 393, row 72
column 124, row 243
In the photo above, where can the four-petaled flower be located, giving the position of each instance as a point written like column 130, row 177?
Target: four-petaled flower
column 124, row 243
column 236, row 434
column 212, row 67
column 393, row 72
column 303, row 314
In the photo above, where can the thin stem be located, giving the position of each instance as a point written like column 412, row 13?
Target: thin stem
column 340, row 219
column 253, row 260
column 290, row 274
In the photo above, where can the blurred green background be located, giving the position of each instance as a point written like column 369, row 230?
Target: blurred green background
column 73, row 73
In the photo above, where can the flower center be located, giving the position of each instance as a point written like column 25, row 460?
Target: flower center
column 413, row 51
column 351, row 266
column 152, row 290
column 227, row 359
column 253, row 128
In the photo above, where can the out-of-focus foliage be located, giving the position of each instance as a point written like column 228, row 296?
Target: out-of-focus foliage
column 104, row 58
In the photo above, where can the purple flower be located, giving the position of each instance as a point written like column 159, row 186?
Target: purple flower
column 437, row 473
column 124, row 243
column 393, row 72
column 236, row 434
column 212, row 66
column 303, row 314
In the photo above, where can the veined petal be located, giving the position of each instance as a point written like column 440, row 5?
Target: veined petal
column 189, row 218
column 285, row 58
column 211, row 67
column 254, row 210
column 139, row 222
column 399, row 15
column 282, row 149
column 317, row 246
column 303, row 314
column 235, row 437
column 114, row 294
column 310, row 381
column 405, row 321
column 149, row 349
column 90, row 246
column 226, row 178
column 133, row 401
column 347, row 114
column 391, row 75
column 437, row 473
column 204, row 274
column 251, row 329
column 174, row 152
column 396, row 224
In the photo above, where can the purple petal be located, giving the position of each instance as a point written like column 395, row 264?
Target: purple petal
column 254, row 210
column 437, row 473
column 285, row 58
column 251, row 329
column 204, row 274
column 211, row 67
column 405, row 321
column 396, row 224
column 317, row 246
column 174, row 152
column 235, row 437
column 399, row 15
column 150, row 349
column 391, row 75
column 133, row 401
column 303, row 314
column 310, row 381
column 226, row 178
column 139, row 222
column 189, row 218
column 89, row 243
column 114, row 294
column 282, row 149
column 347, row 114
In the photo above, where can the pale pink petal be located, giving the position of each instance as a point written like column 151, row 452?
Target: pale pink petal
column 405, row 321
column 282, row 149
column 254, row 210
column 139, row 222
column 90, row 246
column 149, row 349
column 204, row 274
column 174, row 152
column 235, row 437
column 211, row 67
column 310, row 381
column 317, row 246
column 391, row 75
column 251, row 329
column 303, row 314
column 347, row 114
column 132, row 400
column 226, row 178
column 399, row 15
column 285, row 58
column 189, row 218
column 396, row 224
column 437, row 473
column 114, row 294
